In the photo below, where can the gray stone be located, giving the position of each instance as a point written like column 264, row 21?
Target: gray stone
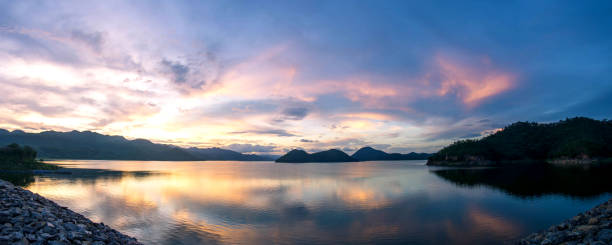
column 28, row 218
column 70, row 226
column 556, row 237
column 17, row 236
column 605, row 235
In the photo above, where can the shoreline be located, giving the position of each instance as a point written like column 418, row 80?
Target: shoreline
column 593, row 226
column 478, row 162
column 29, row 218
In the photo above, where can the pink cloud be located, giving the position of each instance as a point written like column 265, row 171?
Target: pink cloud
column 469, row 84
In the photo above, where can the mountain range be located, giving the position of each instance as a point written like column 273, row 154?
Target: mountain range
column 364, row 154
column 91, row 145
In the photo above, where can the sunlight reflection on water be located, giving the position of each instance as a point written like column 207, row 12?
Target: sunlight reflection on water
column 265, row 202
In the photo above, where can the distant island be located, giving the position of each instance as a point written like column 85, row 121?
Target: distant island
column 370, row 154
column 577, row 140
column 300, row 156
column 364, row 154
column 88, row 145
column 15, row 157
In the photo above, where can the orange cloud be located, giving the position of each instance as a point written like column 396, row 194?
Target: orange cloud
column 470, row 85
column 368, row 115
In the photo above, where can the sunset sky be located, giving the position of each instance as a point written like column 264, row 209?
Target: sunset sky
column 268, row 76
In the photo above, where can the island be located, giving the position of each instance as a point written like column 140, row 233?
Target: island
column 300, row 156
column 370, row 154
column 578, row 140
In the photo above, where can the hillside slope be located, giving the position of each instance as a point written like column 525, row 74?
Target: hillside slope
column 575, row 140
column 370, row 154
column 300, row 156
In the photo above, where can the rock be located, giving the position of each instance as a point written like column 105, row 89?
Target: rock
column 562, row 226
column 46, row 236
column 28, row 218
column 5, row 239
column 17, row 236
column 605, row 235
column 555, row 237
column 70, row 226
column 594, row 226
column 546, row 242
column 23, row 241
column 586, row 228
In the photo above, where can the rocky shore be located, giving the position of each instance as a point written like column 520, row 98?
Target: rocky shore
column 28, row 218
column 593, row 227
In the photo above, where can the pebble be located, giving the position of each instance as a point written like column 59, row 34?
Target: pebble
column 28, row 218
column 592, row 227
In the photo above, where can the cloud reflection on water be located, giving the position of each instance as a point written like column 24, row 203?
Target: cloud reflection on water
column 263, row 203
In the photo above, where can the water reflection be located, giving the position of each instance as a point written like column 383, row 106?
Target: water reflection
column 264, row 202
column 538, row 180
column 22, row 179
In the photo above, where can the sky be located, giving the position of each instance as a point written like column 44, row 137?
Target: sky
column 269, row 76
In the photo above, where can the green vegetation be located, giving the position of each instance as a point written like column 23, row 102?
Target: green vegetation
column 580, row 139
column 15, row 157
column 300, row 156
column 370, row 154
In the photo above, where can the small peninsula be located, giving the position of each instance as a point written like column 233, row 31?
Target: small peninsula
column 16, row 157
column 576, row 140
column 370, row 154
column 300, row 156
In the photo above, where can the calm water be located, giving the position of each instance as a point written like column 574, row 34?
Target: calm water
column 401, row 202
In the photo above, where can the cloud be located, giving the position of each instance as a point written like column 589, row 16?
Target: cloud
column 177, row 71
column 368, row 115
column 95, row 40
column 275, row 132
column 471, row 85
column 249, row 148
column 308, row 141
column 295, row 113
column 466, row 128
column 421, row 81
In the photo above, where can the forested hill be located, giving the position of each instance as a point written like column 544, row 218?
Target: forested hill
column 578, row 140
column 300, row 156
column 91, row 145
column 370, row 154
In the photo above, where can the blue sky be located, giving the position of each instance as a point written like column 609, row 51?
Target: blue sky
column 268, row 76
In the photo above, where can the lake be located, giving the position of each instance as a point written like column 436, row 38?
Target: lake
column 403, row 202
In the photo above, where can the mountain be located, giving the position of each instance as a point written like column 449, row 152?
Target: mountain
column 300, row 156
column 370, row 154
column 577, row 140
column 91, row 145
column 223, row 154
